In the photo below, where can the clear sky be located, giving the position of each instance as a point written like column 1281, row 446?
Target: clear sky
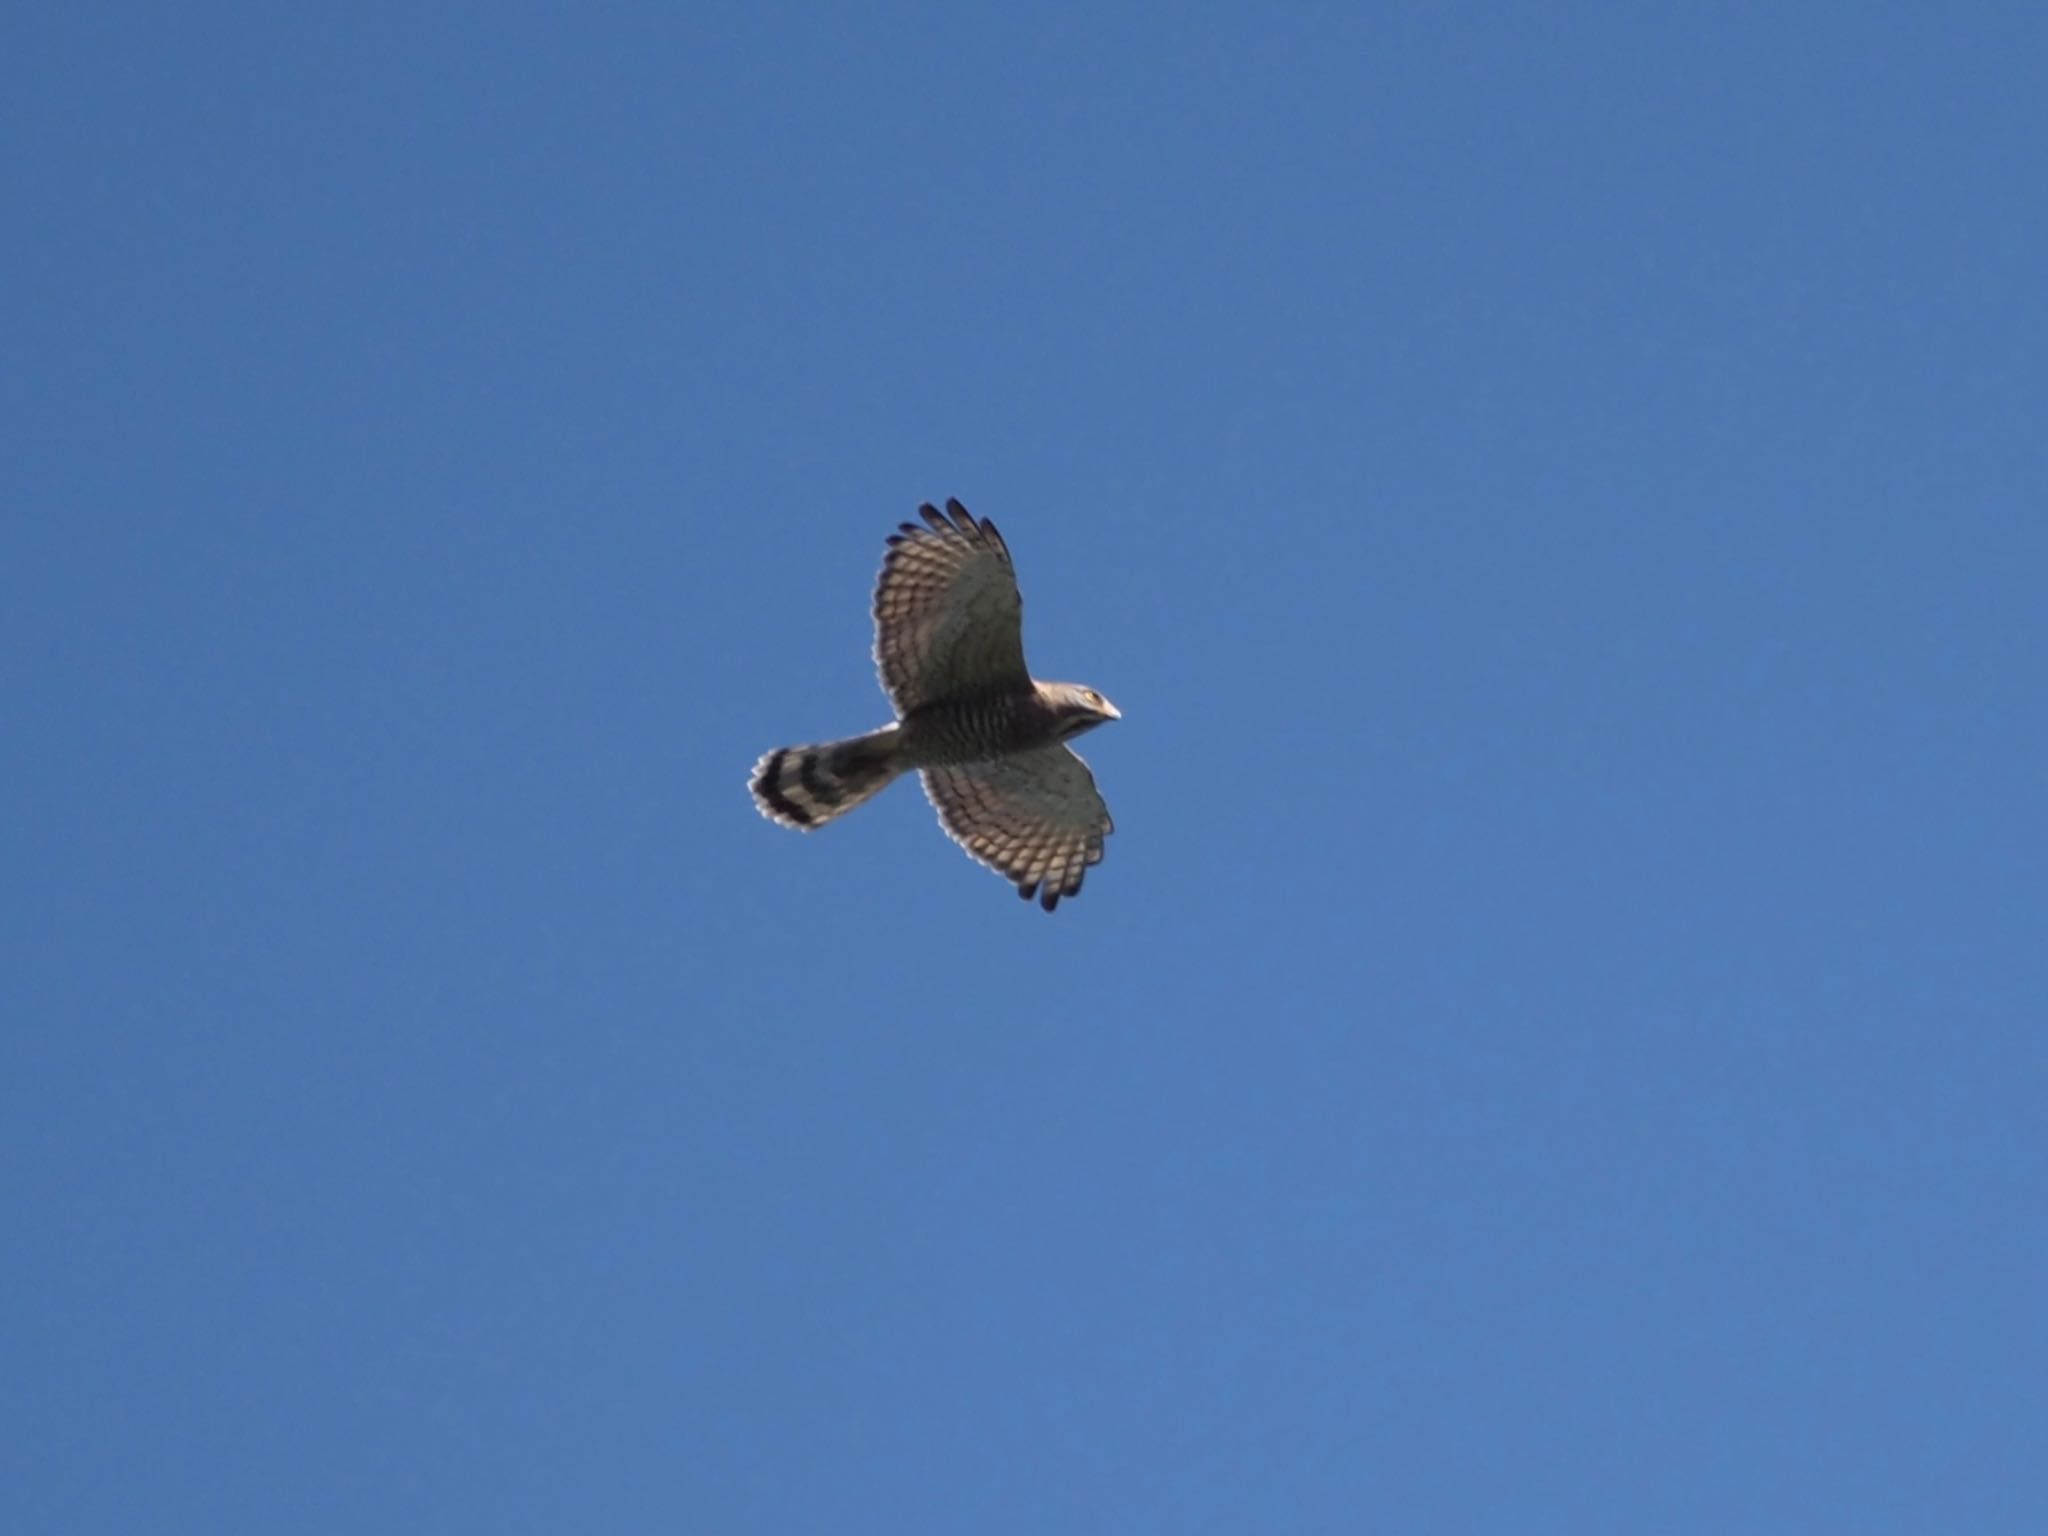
column 1560, row 494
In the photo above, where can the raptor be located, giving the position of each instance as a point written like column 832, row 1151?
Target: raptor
column 990, row 740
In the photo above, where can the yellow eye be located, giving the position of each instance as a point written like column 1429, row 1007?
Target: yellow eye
column 1092, row 696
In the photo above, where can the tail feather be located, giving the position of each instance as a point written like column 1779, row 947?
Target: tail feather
column 806, row 787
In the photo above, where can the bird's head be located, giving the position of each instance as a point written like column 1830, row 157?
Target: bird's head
column 1076, row 709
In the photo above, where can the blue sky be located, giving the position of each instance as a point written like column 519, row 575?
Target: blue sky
column 1557, row 1042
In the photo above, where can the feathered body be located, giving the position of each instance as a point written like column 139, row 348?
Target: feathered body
column 987, row 736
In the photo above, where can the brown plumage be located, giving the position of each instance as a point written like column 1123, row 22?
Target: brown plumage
column 989, row 739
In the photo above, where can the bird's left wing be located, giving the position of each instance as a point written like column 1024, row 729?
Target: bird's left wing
column 1035, row 818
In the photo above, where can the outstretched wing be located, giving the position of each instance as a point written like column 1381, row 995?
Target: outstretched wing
column 948, row 619
column 1034, row 817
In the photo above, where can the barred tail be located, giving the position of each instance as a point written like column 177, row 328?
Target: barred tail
column 806, row 787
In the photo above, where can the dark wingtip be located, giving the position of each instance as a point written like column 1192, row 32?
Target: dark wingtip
column 1028, row 889
column 935, row 517
column 1050, row 899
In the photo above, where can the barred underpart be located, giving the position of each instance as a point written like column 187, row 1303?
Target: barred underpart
column 971, row 729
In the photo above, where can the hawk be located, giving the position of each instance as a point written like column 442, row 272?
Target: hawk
column 990, row 740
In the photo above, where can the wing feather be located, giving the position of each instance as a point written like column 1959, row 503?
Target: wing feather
column 949, row 621
column 1035, row 818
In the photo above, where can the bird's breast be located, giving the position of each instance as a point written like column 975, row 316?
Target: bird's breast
column 969, row 730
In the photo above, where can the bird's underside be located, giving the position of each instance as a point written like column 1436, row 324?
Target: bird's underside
column 989, row 739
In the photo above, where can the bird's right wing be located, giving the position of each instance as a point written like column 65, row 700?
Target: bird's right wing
column 948, row 617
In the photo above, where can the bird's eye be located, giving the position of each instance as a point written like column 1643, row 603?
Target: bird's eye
column 1092, row 696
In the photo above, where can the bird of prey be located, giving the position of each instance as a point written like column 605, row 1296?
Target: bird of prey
column 990, row 740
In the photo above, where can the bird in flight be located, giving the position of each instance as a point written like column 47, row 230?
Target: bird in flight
column 989, row 739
